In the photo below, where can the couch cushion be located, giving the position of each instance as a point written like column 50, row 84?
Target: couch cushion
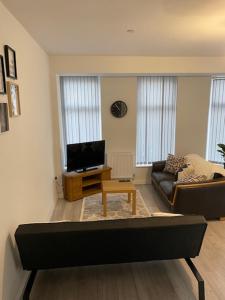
column 167, row 187
column 160, row 176
column 192, row 179
column 174, row 163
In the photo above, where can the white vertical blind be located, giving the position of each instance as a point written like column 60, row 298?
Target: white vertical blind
column 156, row 118
column 81, row 109
column 216, row 121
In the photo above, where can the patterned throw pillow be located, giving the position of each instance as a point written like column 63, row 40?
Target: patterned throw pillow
column 192, row 179
column 174, row 163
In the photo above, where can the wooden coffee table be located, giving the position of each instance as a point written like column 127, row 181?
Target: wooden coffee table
column 114, row 186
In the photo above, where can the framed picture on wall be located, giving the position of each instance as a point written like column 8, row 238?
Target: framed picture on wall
column 10, row 61
column 2, row 76
column 4, row 118
column 13, row 99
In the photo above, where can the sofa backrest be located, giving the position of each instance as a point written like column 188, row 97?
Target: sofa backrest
column 66, row 244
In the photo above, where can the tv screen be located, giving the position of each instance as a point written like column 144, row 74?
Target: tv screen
column 85, row 155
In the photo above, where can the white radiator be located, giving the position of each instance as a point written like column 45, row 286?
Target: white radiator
column 122, row 164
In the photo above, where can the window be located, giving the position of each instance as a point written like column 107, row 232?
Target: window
column 81, row 112
column 216, row 121
column 156, row 114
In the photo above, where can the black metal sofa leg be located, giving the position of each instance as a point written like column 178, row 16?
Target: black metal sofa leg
column 201, row 286
column 30, row 282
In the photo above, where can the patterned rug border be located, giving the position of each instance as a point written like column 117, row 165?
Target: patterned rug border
column 131, row 217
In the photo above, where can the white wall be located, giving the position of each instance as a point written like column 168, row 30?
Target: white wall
column 26, row 152
column 191, row 117
column 193, row 97
column 136, row 65
column 192, row 94
column 120, row 134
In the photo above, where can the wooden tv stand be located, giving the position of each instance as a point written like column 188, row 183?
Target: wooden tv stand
column 79, row 185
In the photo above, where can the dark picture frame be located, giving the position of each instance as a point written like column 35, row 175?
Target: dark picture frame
column 2, row 76
column 10, row 62
column 13, row 99
column 4, row 118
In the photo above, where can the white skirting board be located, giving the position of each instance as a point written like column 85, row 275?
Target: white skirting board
column 141, row 181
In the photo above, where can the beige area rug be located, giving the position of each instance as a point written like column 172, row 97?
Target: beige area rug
column 117, row 207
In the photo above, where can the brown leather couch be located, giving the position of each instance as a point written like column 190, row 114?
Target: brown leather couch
column 205, row 198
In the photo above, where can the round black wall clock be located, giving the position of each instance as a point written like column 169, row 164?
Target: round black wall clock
column 119, row 109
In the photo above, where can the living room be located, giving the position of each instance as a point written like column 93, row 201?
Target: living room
column 31, row 149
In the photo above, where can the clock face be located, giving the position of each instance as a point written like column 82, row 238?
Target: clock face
column 119, row 109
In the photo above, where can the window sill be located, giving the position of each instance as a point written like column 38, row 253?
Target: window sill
column 143, row 166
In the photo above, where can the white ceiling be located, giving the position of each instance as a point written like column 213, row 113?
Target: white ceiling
column 99, row 27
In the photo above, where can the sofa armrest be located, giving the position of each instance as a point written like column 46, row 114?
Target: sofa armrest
column 207, row 198
column 158, row 166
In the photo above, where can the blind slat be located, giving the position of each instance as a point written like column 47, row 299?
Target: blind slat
column 156, row 118
column 216, row 122
column 81, row 112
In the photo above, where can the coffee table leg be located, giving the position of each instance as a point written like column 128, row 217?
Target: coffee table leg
column 104, row 201
column 134, row 203
column 129, row 197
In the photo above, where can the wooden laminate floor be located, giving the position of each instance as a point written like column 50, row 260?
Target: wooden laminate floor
column 137, row 281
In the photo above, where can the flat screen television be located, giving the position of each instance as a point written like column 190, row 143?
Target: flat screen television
column 83, row 156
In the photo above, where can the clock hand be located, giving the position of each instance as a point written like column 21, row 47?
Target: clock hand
column 117, row 107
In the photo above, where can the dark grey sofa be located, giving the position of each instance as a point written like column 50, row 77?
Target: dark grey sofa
column 205, row 198
column 67, row 244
